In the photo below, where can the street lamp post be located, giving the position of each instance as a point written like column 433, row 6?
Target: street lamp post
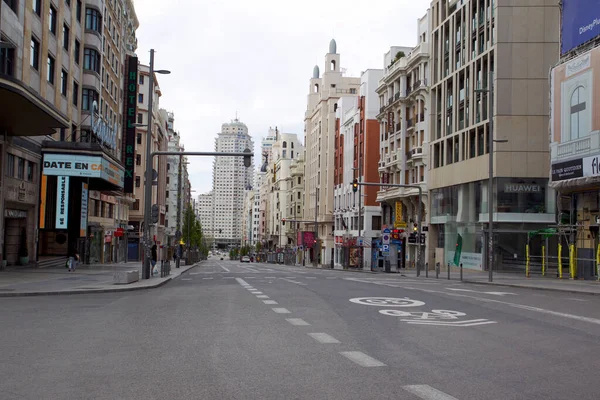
column 490, row 91
column 148, row 175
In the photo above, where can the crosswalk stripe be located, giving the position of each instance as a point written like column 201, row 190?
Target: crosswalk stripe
column 362, row 359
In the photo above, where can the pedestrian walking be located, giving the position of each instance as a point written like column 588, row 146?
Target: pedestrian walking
column 154, row 257
column 73, row 260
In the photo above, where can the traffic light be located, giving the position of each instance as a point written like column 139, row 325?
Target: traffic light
column 283, row 221
column 154, row 213
column 415, row 228
column 355, row 185
column 248, row 158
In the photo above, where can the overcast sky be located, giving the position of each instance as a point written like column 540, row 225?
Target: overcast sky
column 256, row 57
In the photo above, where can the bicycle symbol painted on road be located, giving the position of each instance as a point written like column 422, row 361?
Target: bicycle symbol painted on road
column 387, row 301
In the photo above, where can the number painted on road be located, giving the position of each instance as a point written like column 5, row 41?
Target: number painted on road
column 436, row 318
column 387, row 301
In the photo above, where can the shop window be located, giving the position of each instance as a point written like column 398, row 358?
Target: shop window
column 516, row 195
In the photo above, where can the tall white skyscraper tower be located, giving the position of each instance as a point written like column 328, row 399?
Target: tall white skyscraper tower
column 230, row 179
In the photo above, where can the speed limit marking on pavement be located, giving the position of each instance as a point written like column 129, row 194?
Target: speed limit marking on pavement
column 387, row 301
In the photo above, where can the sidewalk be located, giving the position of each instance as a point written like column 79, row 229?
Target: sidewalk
column 93, row 278
column 508, row 279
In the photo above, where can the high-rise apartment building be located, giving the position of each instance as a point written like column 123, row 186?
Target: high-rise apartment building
column 230, row 179
column 319, row 124
column 471, row 42
column 285, row 150
column 404, row 124
column 357, row 214
column 175, row 183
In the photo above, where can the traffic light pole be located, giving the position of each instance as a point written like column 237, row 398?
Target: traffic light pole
column 419, row 215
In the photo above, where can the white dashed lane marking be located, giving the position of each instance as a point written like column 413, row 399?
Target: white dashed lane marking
column 362, row 359
column 207, row 278
column 256, row 292
column 281, row 310
column 427, row 392
column 186, row 279
column 322, row 337
column 297, row 321
column 262, row 296
column 270, row 302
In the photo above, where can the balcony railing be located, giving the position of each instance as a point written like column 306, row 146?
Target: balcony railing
column 396, row 96
column 409, row 123
column 398, row 126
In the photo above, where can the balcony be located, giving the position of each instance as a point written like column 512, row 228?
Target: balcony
column 410, row 123
column 576, row 148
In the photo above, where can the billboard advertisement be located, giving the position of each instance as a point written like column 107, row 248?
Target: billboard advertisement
column 574, row 124
column 580, row 23
column 83, row 166
column 129, row 116
column 62, row 202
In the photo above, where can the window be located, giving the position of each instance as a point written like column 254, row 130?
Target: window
column 141, row 79
column 68, row 2
column 7, row 61
column 10, row 165
column 13, row 4
column 140, row 98
column 30, row 171
column 20, row 168
column 50, row 71
column 77, row 51
column 167, row 194
column 66, row 37
column 91, row 60
column 78, row 11
column 140, row 118
column 138, row 181
column 88, row 96
column 52, row 15
column 64, row 82
column 37, row 7
column 34, row 57
column 139, row 141
column 577, row 112
column 93, row 20
column 138, row 160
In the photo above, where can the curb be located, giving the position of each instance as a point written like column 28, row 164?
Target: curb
column 533, row 287
column 354, row 270
column 91, row 291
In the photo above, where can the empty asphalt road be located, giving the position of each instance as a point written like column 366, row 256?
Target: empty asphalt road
column 226, row 330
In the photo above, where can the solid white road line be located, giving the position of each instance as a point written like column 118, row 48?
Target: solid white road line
column 249, row 277
column 225, row 268
column 362, row 359
column 426, row 392
column 270, row 302
column 322, row 337
column 207, row 278
column 297, row 321
column 281, row 310
column 262, row 296
column 575, row 299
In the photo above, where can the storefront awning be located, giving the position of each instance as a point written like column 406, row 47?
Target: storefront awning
column 26, row 113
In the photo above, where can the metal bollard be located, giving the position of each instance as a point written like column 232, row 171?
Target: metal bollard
column 461, row 271
column 426, row 270
column 448, row 271
column 437, row 270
